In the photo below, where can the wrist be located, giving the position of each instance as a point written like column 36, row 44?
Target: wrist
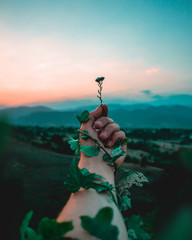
column 97, row 165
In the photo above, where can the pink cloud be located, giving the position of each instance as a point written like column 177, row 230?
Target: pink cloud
column 152, row 70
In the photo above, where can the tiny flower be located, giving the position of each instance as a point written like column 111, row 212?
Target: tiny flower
column 99, row 79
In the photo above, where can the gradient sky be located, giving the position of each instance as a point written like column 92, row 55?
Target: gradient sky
column 54, row 49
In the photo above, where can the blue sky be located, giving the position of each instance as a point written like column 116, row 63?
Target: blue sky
column 54, row 49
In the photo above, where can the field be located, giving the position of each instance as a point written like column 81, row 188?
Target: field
column 34, row 163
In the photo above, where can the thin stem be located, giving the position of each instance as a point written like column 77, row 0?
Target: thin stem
column 96, row 141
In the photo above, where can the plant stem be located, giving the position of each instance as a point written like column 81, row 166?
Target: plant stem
column 96, row 141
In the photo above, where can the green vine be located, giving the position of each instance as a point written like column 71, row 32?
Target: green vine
column 49, row 229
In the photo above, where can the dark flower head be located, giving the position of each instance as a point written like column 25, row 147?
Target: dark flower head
column 99, row 79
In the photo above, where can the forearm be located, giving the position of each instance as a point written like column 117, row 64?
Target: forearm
column 89, row 202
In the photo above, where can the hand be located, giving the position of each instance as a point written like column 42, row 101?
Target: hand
column 102, row 128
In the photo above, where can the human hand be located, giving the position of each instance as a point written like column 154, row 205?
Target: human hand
column 103, row 129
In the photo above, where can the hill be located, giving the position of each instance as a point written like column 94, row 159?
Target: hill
column 126, row 116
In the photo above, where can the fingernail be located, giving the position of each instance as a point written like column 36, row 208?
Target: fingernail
column 99, row 123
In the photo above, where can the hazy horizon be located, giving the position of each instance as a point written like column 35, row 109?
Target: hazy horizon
column 153, row 100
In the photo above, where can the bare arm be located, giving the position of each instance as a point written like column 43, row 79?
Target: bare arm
column 89, row 202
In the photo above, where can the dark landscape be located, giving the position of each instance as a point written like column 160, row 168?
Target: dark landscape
column 35, row 160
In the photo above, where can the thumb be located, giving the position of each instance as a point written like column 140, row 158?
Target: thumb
column 97, row 113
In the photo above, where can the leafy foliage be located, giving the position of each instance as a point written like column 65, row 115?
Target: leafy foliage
column 48, row 229
column 52, row 230
column 78, row 178
column 125, row 202
column 129, row 179
column 83, row 117
column 25, row 223
column 136, row 231
column 74, row 145
column 112, row 158
column 100, row 226
column 90, row 151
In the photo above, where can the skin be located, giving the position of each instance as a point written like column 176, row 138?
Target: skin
column 88, row 202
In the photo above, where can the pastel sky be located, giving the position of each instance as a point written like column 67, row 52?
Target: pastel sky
column 53, row 50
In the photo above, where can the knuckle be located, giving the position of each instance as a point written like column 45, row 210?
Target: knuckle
column 123, row 134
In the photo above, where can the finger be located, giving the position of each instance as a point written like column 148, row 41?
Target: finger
column 102, row 122
column 114, row 137
column 105, row 110
column 96, row 113
column 108, row 130
column 93, row 115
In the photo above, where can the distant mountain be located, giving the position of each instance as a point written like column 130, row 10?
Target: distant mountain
column 16, row 112
column 155, row 117
column 2, row 106
column 126, row 116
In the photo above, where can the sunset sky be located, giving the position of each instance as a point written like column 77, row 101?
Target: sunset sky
column 53, row 50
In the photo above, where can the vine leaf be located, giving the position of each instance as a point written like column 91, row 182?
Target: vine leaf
column 52, row 230
column 135, row 224
column 125, row 202
column 83, row 117
column 102, row 187
column 100, row 226
column 74, row 145
column 78, row 178
column 90, row 151
column 48, row 229
column 24, row 224
column 116, row 154
column 120, row 142
column 85, row 134
column 117, row 151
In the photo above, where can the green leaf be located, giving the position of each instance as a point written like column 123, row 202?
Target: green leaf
column 86, row 173
column 120, row 142
column 85, row 134
column 32, row 235
column 52, row 230
column 102, row 186
column 24, row 224
column 132, row 235
column 114, row 159
column 125, row 202
column 106, row 157
column 100, row 226
column 74, row 145
column 116, row 151
column 73, row 182
column 135, row 222
column 90, row 151
column 83, row 117
column 78, row 178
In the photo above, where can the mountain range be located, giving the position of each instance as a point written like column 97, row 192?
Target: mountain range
column 127, row 116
